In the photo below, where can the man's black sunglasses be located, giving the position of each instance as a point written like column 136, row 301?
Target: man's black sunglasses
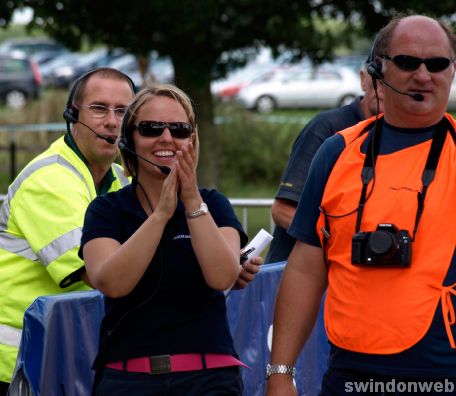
column 179, row 130
column 411, row 63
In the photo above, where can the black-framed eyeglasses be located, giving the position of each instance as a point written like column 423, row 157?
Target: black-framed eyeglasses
column 178, row 130
column 101, row 111
column 412, row 63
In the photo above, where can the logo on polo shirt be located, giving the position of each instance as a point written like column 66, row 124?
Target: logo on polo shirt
column 182, row 236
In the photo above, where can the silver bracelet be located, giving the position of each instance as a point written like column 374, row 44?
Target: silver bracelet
column 280, row 369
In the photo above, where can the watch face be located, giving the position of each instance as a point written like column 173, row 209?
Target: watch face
column 203, row 209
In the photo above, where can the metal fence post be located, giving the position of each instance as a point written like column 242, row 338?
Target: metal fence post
column 12, row 150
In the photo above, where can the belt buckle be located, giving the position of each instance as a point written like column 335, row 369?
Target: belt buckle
column 160, row 364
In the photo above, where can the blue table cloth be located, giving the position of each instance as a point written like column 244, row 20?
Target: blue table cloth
column 60, row 341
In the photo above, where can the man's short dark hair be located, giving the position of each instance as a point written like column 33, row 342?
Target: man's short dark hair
column 103, row 72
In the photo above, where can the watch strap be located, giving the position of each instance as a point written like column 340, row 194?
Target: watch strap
column 196, row 213
column 280, row 369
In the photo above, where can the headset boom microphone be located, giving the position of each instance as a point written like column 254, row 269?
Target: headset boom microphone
column 69, row 117
column 375, row 73
column 164, row 169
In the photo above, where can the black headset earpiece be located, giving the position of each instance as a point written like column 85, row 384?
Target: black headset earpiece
column 71, row 115
column 374, row 68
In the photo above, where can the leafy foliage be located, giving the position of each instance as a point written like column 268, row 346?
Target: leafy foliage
column 253, row 153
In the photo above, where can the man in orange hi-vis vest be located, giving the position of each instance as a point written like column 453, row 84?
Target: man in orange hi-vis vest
column 376, row 230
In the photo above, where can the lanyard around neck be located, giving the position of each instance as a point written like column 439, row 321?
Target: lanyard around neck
column 368, row 172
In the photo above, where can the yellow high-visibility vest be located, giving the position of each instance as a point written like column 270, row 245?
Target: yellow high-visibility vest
column 40, row 232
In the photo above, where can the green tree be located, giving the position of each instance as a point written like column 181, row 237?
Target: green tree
column 196, row 33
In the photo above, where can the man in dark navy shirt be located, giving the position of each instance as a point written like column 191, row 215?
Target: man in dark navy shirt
column 389, row 319
column 324, row 125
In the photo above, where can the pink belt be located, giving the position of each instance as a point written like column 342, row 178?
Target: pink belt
column 171, row 363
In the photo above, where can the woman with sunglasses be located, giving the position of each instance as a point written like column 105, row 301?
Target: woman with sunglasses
column 163, row 251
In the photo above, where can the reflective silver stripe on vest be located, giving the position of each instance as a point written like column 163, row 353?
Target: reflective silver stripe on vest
column 17, row 246
column 20, row 246
column 59, row 246
column 121, row 176
column 10, row 336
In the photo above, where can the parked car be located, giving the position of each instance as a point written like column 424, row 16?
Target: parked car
column 227, row 88
column 43, row 57
column 353, row 61
column 323, row 86
column 159, row 69
column 65, row 69
column 452, row 99
column 39, row 50
column 59, row 66
column 20, row 80
column 30, row 45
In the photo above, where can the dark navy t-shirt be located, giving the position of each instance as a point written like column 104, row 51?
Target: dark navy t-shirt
column 322, row 126
column 432, row 356
column 172, row 309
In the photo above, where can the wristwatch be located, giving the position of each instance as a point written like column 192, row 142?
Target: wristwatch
column 201, row 211
column 280, row 369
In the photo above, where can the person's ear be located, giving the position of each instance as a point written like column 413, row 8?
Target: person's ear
column 364, row 79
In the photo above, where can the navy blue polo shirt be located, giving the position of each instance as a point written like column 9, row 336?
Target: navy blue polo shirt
column 432, row 356
column 172, row 309
column 321, row 127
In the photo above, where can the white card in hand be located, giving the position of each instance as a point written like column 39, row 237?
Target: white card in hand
column 258, row 243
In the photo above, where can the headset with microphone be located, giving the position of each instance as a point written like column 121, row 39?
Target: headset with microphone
column 71, row 113
column 70, row 118
column 123, row 146
column 374, row 69
column 126, row 145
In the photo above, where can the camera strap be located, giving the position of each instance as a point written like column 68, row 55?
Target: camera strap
column 368, row 172
column 431, row 165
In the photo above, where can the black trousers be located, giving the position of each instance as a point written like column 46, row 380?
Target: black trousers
column 212, row 382
column 3, row 388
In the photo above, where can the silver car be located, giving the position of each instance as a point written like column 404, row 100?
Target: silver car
column 323, row 86
column 452, row 98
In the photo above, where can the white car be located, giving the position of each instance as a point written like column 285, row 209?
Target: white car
column 452, row 98
column 324, row 86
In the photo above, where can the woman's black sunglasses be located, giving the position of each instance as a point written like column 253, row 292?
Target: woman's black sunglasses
column 411, row 63
column 179, row 130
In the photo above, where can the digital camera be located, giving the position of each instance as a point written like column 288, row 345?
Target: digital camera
column 387, row 246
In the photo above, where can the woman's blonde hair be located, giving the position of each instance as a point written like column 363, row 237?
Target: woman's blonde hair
column 129, row 160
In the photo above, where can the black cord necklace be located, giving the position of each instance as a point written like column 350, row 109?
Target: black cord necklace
column 149, row 204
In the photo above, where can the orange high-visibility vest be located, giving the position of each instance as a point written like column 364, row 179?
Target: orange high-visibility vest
column 387, row 310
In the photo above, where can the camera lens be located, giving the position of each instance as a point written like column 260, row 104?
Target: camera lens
column 382, row 243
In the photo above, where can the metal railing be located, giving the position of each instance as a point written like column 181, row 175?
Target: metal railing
column 245, row 203
column 12, row 130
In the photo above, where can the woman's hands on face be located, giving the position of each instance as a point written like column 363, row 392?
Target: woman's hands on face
column 168, row 196
column 180, row 181
column 186, row 170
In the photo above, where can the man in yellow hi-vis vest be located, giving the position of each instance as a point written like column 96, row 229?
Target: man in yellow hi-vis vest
column 41, row 219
